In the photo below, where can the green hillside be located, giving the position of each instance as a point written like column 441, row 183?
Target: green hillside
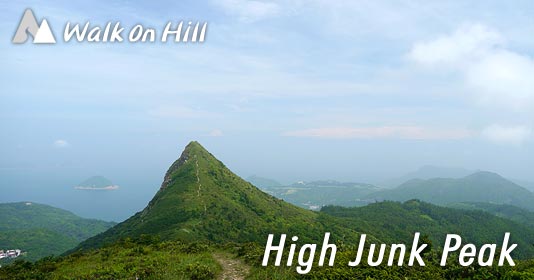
column 511, row 212
column 128, row 259
column 395, row 221
column 201, row 200
column 42, row 230
column 479, row 187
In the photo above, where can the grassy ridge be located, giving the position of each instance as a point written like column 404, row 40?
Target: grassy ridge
column 202, row 200
column 42, row 230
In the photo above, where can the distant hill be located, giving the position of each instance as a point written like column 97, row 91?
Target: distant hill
column 428, row 172
column 478, row 187
column 262, row 182
column 431, row 172
column 314, row 195
column 42, row 230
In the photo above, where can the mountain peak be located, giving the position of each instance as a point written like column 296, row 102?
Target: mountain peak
column 192, row 150
column 201, row 199
column 194, row 145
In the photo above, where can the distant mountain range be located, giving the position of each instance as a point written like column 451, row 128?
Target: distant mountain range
column 42, row 230
column 438, row 185
column 428, row 172
column 478, row 187
column 431, row 172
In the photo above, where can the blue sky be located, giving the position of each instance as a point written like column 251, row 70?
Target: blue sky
column 292, row 90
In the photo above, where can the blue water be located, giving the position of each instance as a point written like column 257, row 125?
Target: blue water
column 56, row 188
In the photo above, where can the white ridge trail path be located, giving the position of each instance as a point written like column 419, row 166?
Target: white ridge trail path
column 199, row 189
column 198, row 177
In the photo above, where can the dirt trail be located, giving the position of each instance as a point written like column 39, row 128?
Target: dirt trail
column 198, row 177
column 232, row 268
column 199, row 184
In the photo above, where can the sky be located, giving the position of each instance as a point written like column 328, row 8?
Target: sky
column 290, row 90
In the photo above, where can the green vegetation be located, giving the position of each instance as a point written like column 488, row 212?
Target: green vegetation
column 478, row 187
column 201, row 200
column 148, row 258
column 513, row 213
column 393, row 222
column 345, row 254
column 205, row 220
column 42, row 230
column 144, row 258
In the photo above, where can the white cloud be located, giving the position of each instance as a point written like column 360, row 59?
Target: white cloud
column 467, row 43
column 503, row 78
column 249, row 10
column 494, row 75
column 216, row 133
column 394, row 132
column 507, row 134
column 60, row 143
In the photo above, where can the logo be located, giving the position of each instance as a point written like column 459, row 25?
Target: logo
column 28, row 25
column 111, row 32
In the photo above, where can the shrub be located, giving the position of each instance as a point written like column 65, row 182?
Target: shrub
column 199, row 271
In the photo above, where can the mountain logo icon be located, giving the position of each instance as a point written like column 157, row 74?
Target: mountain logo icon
column 41, row 33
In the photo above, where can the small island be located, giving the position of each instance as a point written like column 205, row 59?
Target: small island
column 97, row 183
